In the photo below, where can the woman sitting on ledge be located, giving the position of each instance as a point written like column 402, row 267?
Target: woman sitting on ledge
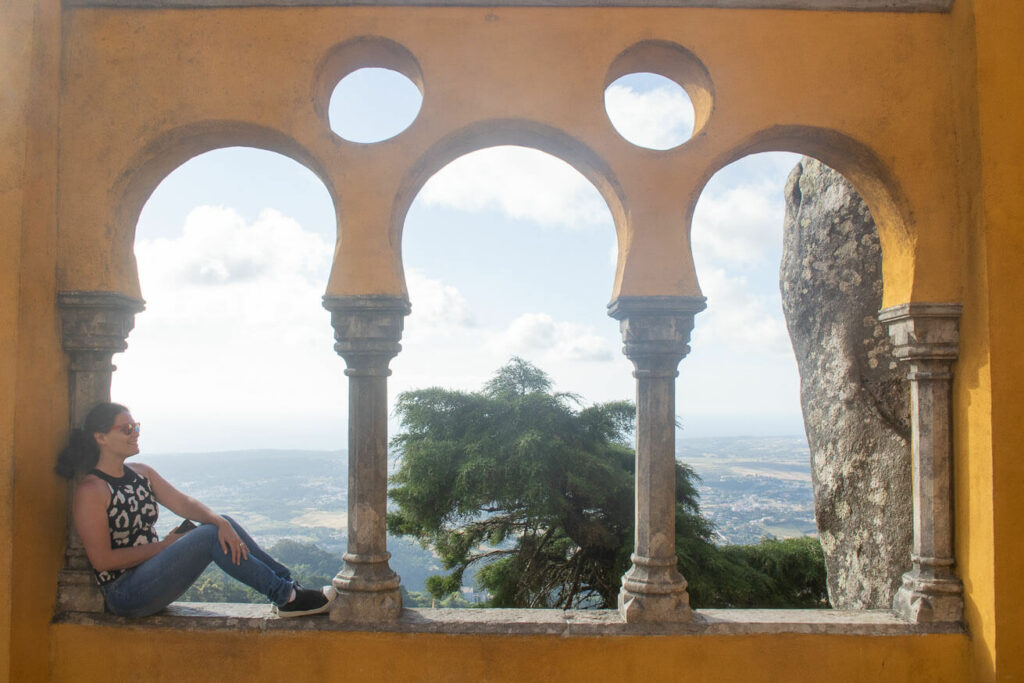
column 115, row 510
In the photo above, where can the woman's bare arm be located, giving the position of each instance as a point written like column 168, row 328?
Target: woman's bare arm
column 186, row 506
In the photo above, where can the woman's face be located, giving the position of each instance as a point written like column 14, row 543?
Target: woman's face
column 122, row 439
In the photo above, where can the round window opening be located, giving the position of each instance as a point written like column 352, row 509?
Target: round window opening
column 373, row 104
column 649, row 110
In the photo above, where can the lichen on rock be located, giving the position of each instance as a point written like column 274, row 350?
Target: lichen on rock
column 854, row 398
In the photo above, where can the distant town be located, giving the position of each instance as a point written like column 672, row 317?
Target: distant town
column 753, row 487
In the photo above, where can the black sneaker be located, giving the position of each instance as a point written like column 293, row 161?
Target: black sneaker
column 307, row 601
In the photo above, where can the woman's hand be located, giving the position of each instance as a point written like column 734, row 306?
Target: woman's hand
column 190, row 508
column 230, row 542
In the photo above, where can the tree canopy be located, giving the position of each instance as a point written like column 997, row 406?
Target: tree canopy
column 536, row 493
column 523, row 481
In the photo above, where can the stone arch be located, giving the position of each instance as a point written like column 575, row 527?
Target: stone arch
column 162, row 155
column 519, row 133
column 858, row 163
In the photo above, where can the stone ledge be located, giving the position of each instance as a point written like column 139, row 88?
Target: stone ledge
column 820, row 5
column 203, row 616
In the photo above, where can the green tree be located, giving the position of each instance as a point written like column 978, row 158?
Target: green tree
column 775, row 573
column 534, row 490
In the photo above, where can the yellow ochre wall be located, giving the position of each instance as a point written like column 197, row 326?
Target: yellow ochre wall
column 920, row 111
column 33, row 385
column 533, row 76
column 1000, row 207
column 393, row 657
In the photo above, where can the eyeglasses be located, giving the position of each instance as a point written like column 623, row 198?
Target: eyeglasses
column 129, row 429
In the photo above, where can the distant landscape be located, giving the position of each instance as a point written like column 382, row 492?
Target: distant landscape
column 752, row 487
column 283, row 495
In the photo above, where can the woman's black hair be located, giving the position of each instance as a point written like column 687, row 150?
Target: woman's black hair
column 82, row 452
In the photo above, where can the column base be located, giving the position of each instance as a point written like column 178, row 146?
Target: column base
column 77, row 591
column 922, row 600
column 668, row 608
column 362, row 606
column 654, row 591
column 367, row 590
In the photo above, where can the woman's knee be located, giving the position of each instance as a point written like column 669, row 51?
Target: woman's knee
column 239, row 529
column 204, row 533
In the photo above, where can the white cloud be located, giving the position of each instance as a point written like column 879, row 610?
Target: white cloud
column 737, row 239
column 234, row 326
column 660, row 118
column 522, row 183
column 738, row 225
column 539, row 333
column 437, row 308
column 268, row 275
column 218, row 247
column 739, row 317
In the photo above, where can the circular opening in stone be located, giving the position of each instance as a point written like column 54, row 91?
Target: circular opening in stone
column 373, row 104
column 650, row 110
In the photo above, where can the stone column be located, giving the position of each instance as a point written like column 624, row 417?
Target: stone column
column 925, row 336
column 94, row 326
column 656, row 333
column 367, row 330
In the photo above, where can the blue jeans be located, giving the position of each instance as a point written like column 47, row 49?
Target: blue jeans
column 160, row 580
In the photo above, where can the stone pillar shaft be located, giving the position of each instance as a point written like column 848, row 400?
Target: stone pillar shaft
column 931, row 450
column 367, row 448
column 94, row 326
column 925, row 337
column 655, row 332
column 367, row 330
column 655, row 447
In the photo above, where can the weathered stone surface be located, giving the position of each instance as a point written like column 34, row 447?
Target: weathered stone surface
column 854, row 396
column 655, row 334
column 841, row 5
column 367, row 330
column 199, row 616
column 926, row 338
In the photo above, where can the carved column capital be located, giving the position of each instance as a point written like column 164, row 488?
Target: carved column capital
column 367, row 330
column 95, row 326
column 923, row 331
column 926, row 337
column 656, row 330
column 656, row 334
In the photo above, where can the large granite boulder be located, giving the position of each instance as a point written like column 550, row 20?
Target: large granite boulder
column 854, row 396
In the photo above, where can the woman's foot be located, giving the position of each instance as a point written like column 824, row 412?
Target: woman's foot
column 305, row 602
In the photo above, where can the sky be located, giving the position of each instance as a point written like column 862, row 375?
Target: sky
column 235, row 350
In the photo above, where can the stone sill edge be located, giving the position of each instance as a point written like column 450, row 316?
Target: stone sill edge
column 235, row 616
column 925, row 6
